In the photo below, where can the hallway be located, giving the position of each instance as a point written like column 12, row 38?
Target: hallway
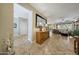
column 30, row 23
column 56, row 45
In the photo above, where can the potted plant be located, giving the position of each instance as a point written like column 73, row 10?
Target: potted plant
column 76, row 33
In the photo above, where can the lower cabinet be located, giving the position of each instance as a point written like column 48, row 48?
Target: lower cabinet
column 41, row 36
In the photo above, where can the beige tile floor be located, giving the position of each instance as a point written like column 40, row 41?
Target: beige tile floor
column 55, row 45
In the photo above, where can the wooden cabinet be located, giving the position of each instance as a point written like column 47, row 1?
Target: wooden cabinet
column 76, row 45
column 42, row 36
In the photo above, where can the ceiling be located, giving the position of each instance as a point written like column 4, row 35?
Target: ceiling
column 57, row 11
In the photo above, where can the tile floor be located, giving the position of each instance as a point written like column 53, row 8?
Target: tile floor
column 55, row 45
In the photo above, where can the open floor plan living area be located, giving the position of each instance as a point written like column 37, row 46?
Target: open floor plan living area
column 39, row 28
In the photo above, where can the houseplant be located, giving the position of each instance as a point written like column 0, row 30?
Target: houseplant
column 75, row 32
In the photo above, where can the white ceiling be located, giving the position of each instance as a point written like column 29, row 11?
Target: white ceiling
column 56, row 11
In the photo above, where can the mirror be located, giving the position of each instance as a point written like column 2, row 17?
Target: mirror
column 40, row 21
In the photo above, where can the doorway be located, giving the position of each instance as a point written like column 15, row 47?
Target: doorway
column 22, row 28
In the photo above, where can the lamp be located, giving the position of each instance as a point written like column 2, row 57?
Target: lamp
column 46, row 25
column 40, row 26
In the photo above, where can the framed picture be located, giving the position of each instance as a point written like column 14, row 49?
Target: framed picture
column 40, row 21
